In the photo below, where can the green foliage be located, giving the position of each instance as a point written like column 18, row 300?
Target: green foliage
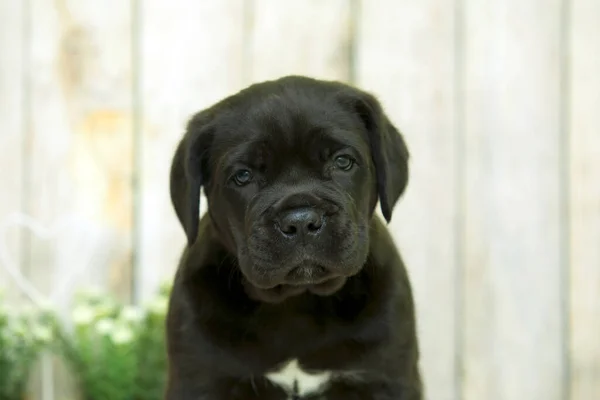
column 114, row 351
column 152, row 356
column 117, row 352
column 23, row 336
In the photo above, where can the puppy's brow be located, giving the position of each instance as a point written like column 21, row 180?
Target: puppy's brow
column 252, row 154
column 338, row 138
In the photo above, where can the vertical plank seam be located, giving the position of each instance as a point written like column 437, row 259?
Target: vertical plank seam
column 137, row 155
column 353, row 29
column 24, row 240
column 249, row 9
column 460, row 194
column 565, row 188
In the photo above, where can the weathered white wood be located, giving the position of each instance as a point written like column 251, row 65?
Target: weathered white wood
column 81, row 144
column 80, row 147
column 192, row 55
column 513, row 301
column 584, row 210
column 405, row 56
column 300, row 37
column 12, row 129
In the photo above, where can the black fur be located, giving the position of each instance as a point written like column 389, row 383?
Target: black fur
column 248, row 297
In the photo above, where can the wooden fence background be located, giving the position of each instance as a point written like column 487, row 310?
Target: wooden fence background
column 499, row 101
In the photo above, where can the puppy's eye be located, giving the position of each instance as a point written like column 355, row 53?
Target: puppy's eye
column 344, row 162
column 242, row 177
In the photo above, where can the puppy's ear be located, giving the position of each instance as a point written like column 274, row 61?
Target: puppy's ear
column 189, row 172
column 388, row 149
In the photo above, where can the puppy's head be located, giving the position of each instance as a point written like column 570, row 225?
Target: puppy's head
column 292, row 170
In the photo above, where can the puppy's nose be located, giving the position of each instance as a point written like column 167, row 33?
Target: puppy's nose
column 300, row 221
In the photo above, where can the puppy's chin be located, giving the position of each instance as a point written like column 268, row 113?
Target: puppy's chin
column 299, row 272
column 277, row 285
column 281, row 292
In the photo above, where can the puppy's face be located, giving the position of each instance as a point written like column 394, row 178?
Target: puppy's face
column 292, row 170
column 292, row 189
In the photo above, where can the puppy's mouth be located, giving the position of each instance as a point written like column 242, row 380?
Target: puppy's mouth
column 283, row 291
column 307, row 274
column 306, row 277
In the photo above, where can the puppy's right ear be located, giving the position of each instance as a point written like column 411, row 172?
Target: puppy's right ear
column 189, row 172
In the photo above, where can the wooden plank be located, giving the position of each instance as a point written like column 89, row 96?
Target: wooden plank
column 513, row 306
column 12, row 130
column 81, row 149
column 405, row 52
column 584, row 204
column 192, row 55
column 289, row 38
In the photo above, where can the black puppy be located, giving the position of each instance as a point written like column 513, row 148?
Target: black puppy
column 290, row 286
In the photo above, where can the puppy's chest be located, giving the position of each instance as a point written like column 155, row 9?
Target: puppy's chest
column 298, row 382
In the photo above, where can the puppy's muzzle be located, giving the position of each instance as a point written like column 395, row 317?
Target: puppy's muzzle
column 303, row 226
column 301, row 239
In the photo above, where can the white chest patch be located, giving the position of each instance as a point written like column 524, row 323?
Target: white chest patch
column 298, row 382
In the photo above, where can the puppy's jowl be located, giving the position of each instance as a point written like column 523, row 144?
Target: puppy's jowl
column 290, row 285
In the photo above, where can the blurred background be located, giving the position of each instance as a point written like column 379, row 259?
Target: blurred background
column 499, row 102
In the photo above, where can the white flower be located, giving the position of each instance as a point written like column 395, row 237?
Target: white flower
column 159, row 306
column 83, row 315
column 104, row 309
column 122, row 335
column 90, row 295
column 132, row 314
column 105, row 326
column 42, row 333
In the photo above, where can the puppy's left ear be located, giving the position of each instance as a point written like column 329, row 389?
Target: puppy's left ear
column 388, row 149
column 189, row 172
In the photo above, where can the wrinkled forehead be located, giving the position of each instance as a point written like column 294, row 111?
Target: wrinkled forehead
column 283, row 128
